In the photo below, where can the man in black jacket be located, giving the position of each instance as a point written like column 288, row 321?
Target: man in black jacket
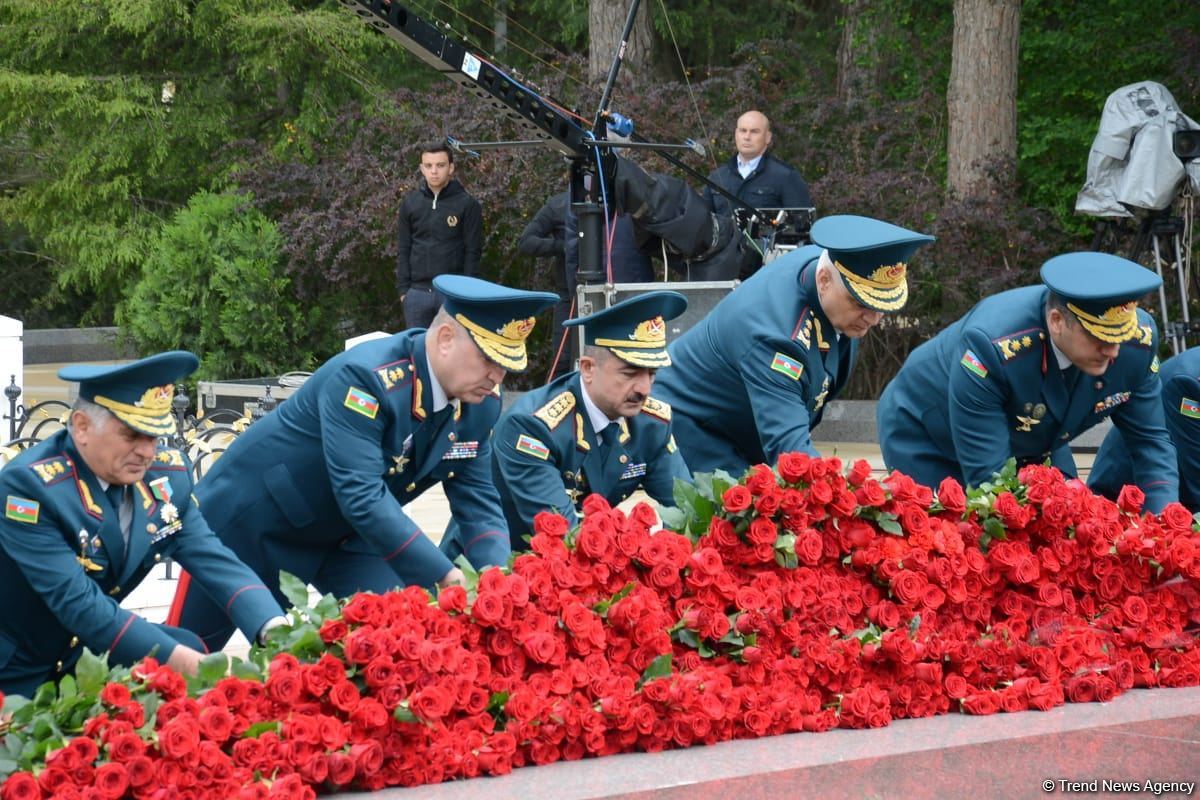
column 440, row 232
column 755, row 176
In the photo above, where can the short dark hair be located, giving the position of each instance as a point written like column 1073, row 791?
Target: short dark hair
column 1055, row 301
column 440, row 146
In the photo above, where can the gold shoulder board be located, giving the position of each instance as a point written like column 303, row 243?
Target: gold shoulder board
column 657, row 408
column 554, row 412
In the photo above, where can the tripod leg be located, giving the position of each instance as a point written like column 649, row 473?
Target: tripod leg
column 1162, row 295
column 1177, row 252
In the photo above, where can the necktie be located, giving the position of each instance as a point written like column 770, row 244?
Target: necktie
column 118, row 496
column 1071, row 378
column 605, row 437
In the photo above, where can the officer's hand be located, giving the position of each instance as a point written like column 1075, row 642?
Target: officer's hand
column 185, row 660
column 454, row 577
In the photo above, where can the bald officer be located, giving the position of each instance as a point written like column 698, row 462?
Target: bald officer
column 317, row 487
column 752, row 379
column 596, row 430
column 1026, row 371
column 88, row 513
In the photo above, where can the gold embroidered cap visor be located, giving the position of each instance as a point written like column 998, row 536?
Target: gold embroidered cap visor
column 886, row 290
column 871, row 256
column 1116, row 325
column 634, row 330
column 1102, row 291
column 140, row 393
column 499, row 319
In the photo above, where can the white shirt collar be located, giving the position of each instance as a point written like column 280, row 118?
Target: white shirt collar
column 440, row 400
column 746, row 167
column 1064, row 363
column 595, row 415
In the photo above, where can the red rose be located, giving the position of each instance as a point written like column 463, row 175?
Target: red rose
column 452, row 599
column 341, row 769
column 333, row 630
column 821, row 492
column 951, row 495
column 914, row 520
column 1136, row 610
column 111, row 779
column 550, row 524
column 368, row 757
column 286, row 688
column 870, row 494
column 860, row 470
column 595, row 505
column 290, row 787
column 21, row 786
column 344, row 695
column 794, row 467
column 180, row 737
column 488, row 608
column 1131, row 499
column 431, row 703
column 760, row 479
column 981, row 703
column 115, row 694
column 762, row 531
column 768, row 503
column 140, row 771
column 909, row 586
column 216, row 724
column 1010, row 512
column 736, row 499
column 1177, row 518
column 809, row 547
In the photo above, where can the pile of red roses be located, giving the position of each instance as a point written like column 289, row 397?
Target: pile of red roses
column 800, row 598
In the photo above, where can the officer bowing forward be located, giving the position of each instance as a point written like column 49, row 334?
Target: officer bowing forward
column 88, row 513
column 752, row 379
column 1026, row 371
column 316, row 488
column 596, row 430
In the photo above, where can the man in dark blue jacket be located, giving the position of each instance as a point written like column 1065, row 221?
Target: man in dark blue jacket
column 754, row 175
column 1028, row 370
column 1114, row 465
column 440, row 232
column 318, row 486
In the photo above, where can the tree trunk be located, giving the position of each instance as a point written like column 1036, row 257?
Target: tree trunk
column 857, row 54
column 982, row 98
column 606, row 23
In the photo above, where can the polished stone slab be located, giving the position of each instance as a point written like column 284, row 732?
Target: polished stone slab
column 1141, row 736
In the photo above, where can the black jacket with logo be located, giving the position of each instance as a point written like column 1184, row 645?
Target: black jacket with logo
column 438, row 235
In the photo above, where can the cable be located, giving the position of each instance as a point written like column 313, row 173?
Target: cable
column 686, row 79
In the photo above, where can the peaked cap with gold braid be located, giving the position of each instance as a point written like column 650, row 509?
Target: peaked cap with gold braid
column 498, row 318
column 635, row 330
column 1102, row 291
column 140, row 393
column 871, row 256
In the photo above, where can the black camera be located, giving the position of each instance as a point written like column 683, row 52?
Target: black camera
column 1186, row 145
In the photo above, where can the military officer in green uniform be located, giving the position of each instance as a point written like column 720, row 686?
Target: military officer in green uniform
column 317, row 487
column 595, row 430
column 1114, row 464
column 752, row 379
column 89, row 512
column 1026, row 371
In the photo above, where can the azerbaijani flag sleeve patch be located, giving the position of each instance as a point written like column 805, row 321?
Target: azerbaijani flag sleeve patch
column 1187, row 406
column 973, row 364
column 532, row 447
column 363, row 403
column 22, row 510
column 788, row 366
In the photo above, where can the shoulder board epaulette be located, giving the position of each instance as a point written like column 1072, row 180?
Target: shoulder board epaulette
column 657, row 409
column 1145, row 336
column 1018, row 344
column 395, row 374
column 168, row 459
column 558, row 409
column 802, row 333
column 53, row 470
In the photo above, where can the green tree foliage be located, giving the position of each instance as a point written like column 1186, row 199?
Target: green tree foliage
column 212, row 284
column 113, row 114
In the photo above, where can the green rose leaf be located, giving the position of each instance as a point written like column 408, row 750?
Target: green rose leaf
column 659, row 668
column 294, row 589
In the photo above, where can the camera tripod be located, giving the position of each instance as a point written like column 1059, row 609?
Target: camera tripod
column 1163, row 242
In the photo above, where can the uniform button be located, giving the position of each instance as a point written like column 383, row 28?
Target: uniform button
column 391, row 471
column 115, row 590
column 623, row 458
column 450, row 436
column 58, row 666
column 151, row 528
column 410, row 487
column 449, row 475
column 74, row 641
column 1099, row 384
